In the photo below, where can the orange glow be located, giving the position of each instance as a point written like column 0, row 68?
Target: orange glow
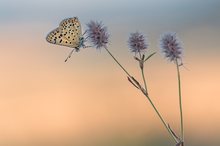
column 44, row 99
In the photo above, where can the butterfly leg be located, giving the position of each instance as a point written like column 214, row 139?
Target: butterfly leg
column 69, row 54
column 84, row 32
column 86, row 47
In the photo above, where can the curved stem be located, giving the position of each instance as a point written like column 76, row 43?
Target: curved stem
column 161, row 118
column 152, row 104
column 117, row 62
column 145, row 93
column 180, row 100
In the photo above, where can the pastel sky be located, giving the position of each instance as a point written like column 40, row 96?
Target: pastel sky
column 88, row 100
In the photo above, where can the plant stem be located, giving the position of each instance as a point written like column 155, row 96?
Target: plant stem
column 180, row 101
column 117, row 62
column 142, row 72
column 147, row 95
column 161, row 118
column 145, row 84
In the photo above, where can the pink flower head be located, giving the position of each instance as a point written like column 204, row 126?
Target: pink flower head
column 170, row 46
column 137, row 43
column 97, row 34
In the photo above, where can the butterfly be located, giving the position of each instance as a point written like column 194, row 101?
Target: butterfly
column 68, row 34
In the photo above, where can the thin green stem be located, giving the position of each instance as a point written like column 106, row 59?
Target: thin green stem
column 147, row 95
column 161, row 118
column 142, row 72
column 145, row 84
column 117, row 62
column 180, row 100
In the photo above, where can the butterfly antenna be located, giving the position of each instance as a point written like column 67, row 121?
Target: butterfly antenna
column 69, row 55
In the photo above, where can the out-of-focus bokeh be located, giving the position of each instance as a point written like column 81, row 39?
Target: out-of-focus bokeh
column 88, row 100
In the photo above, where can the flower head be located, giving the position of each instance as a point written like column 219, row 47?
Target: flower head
column 170, row 46
column 97, row 33
column 137, row 42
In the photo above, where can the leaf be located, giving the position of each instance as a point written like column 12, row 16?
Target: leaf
column 132, row 83
column 136, row 82
column 173, row 133
column 150, row 56
column 137, row 59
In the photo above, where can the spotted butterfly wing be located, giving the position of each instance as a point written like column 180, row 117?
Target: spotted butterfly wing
column 67, row 34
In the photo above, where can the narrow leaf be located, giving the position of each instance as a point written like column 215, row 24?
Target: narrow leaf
column 137, row 59
column 132, row 83
column 150, row 56
column 173, row 133
column 136, row 82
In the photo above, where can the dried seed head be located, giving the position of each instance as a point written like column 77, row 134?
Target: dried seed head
column 170, row 46
column 137, row 43
column 97, row 34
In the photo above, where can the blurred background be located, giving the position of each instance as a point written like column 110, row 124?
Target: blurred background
column 88, row 100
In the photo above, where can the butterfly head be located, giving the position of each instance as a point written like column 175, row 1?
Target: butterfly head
column 81, row 41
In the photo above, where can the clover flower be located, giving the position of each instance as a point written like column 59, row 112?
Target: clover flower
column 97, row 34
column 170, row 46
column 137, row 42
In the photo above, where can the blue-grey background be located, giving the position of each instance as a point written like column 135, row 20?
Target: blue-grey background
column 88, row 101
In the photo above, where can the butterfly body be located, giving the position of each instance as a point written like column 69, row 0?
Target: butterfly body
column 68, row 34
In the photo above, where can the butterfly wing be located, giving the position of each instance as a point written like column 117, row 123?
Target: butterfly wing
column 67, row 34
column 56, row 37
